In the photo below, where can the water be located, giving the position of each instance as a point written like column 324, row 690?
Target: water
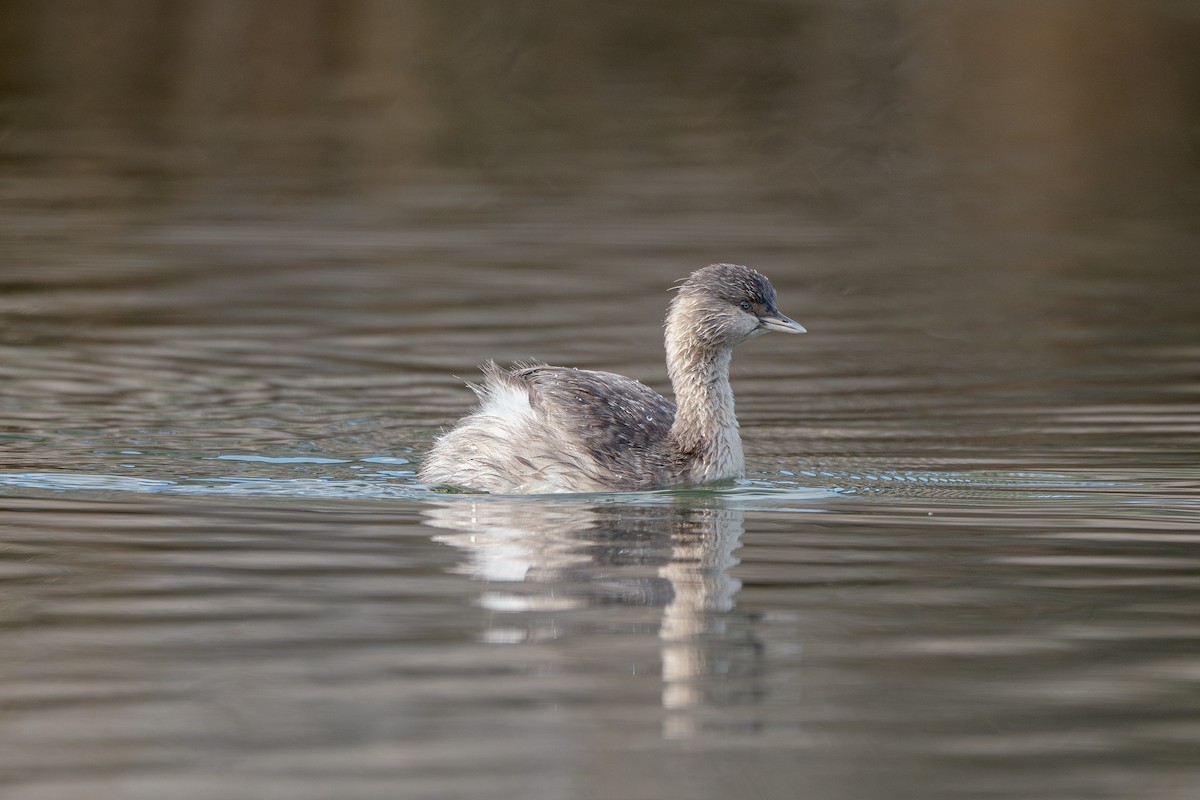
column 247, row 262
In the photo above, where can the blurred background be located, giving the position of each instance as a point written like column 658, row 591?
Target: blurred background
column 211, row 204
column 1024, row 115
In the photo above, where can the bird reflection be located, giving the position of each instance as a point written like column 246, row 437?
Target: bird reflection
column 547, row 556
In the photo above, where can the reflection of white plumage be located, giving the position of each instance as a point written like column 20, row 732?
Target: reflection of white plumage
column 540, row 559
column 552, row 429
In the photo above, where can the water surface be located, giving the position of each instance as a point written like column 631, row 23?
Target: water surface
column 247, row 263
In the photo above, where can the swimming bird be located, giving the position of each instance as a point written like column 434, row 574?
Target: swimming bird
column 543, row 429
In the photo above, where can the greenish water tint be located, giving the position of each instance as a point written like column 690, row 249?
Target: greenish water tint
column 248, row 262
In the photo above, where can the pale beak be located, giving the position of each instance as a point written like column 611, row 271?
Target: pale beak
column 779, row 323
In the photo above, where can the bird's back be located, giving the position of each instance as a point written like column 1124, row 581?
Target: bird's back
column 611, row 414
column 557, row 429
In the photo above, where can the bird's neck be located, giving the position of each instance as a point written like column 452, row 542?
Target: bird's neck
column 705, row 430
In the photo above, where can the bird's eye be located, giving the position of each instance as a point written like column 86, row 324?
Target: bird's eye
column 745, row 305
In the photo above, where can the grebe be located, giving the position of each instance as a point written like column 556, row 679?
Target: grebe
column 541, row 429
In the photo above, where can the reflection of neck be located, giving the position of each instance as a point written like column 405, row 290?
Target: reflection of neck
column 701, row 555
column 705, row 431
